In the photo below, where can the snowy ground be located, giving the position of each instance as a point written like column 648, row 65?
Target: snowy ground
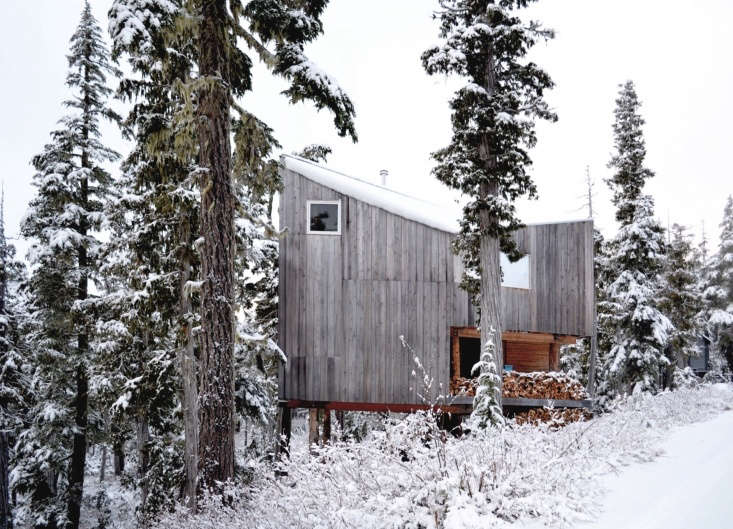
column 656, row 461
column 688, row 486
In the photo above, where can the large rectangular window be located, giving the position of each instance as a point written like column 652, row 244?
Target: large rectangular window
column 324, row 217
column 515, row 275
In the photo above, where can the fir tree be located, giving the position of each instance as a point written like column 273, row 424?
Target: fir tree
column 680, row 299
column 153, row 308
column 315, row 153
column 487, row 402
column 277, row 34
column 717, row 313
column 486, row 43
column 15, row 395
column 638, row 332
column 72, row 186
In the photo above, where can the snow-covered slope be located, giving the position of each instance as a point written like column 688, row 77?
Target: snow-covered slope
column 688, row 486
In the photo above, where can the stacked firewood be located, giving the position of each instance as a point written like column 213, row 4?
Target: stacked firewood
column 542, row 385
column 555, row 418
column 537, row 385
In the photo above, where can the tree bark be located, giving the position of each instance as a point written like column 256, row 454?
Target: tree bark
column 118, row 458
column 79, row 449
column 103, row 464
column 187, row 362
column 143, row 451
column 216, row 395
column 491, row 320
column 6, row 518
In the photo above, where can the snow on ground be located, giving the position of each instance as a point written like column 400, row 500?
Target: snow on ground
column 412, row 476
column 688, row 486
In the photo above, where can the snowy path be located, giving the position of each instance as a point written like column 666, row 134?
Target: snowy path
column 688, row 487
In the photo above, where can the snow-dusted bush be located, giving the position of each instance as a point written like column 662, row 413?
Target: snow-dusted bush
column 413, row 475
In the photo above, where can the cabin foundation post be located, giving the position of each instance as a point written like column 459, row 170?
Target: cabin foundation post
column 285, row 423
column 340, row 422
column 554, row 356
column 326, row 435
column 312, row 428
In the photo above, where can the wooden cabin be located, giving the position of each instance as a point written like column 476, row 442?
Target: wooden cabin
column 363, row 267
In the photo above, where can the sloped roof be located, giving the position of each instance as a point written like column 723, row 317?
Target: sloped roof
column 442, row 217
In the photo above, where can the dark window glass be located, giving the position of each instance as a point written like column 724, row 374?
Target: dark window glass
column 324, row 217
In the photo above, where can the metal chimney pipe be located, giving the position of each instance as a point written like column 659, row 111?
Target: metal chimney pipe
column 383, row 174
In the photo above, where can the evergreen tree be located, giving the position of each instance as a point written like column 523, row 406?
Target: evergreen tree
column 680, row 299
column 277, row 32
column 15, row 396
column 638, row 332
column 72, row 186
column 486, row 43
column 717, row 313
column 315, row 152
column 153, row 308
column 487, row 402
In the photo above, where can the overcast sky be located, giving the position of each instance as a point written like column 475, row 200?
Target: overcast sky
column 677, row 52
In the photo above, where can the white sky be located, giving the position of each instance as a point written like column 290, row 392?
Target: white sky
column 677, row 52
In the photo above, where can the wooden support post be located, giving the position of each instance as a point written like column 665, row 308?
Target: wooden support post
column 326, row 437
column 312, row 427
column 284, row 430
column 554, row 357
column 340, row 421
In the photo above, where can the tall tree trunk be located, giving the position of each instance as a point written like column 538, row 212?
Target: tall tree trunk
column 118, row 458
column 143, row 454
column 187, row 362
column 103, row 464
column 6, row 519
column 490, row 249
column 79, row 450
column 216, row 395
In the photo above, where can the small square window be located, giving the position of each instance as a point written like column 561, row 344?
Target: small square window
column 324, row 217
column 516, row 274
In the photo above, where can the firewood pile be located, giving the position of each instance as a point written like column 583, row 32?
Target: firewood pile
column 537, row 385
column 555, row 418
column 541, row 385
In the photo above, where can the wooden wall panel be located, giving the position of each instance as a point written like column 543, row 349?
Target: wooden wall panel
column 345, row 300
column 526, row 357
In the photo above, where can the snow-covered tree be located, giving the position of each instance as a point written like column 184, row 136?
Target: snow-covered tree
column 631, row 320
column 72, row 186
column 680, row 299
column 486, row 43
column 487, row 402
column 315, row 152
column 15, row 395
column 277, row 33
column 717, row 313
column 153, row 312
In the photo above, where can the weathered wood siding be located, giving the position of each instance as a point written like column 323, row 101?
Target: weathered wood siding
column 345, row 300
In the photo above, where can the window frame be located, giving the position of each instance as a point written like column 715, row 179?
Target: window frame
column 529, row 272
column 308, row 217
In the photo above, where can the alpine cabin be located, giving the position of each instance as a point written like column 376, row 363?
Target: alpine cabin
column 364, row 268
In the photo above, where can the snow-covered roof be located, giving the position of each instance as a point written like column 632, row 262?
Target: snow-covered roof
column 442, row 217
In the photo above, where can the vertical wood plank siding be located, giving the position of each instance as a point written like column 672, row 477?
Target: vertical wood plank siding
column 346, row 299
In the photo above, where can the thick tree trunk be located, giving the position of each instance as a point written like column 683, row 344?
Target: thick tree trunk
column 6, row 519
column 216, row 395
column 491, row 319
column 189, row 390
